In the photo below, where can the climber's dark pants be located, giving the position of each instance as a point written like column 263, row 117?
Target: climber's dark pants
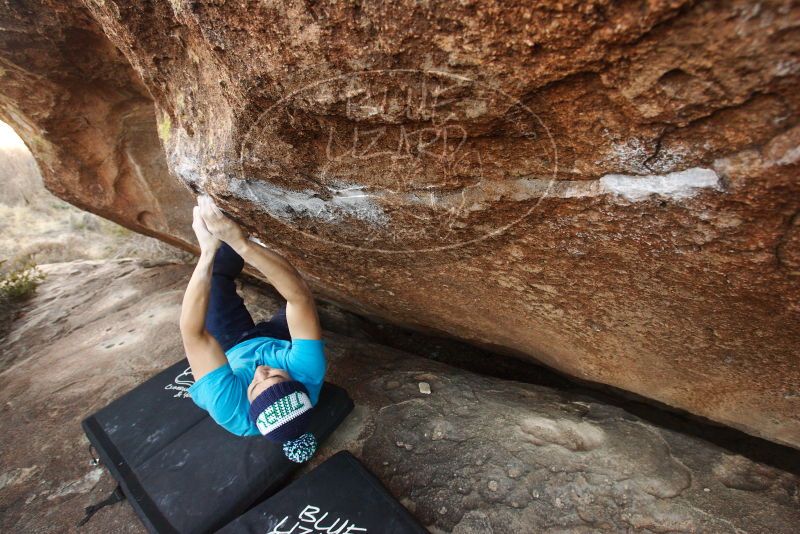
column 227, row 319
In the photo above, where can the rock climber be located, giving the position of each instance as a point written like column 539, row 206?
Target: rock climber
column 251, row 378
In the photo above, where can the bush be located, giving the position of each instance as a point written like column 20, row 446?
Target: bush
column 20, row 280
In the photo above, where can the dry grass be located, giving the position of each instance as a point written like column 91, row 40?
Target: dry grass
column 35, row 225
column 54, row 231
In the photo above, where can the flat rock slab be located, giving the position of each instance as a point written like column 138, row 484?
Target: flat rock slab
column 476, row 455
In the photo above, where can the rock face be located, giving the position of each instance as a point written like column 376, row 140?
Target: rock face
column 475, row 455
column 608, row 188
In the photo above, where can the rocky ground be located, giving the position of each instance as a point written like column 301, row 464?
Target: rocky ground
column 478, row 454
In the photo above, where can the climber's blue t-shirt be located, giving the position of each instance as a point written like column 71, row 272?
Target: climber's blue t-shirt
column 223, row 391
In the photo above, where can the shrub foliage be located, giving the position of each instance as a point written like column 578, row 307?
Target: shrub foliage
column 19, row 281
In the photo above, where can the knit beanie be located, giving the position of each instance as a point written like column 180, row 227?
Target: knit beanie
column 282, row 413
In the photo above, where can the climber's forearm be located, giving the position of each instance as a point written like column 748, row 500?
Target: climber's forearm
column 278, row 271
column 195, row 299
column 301, row 310
column 202, row 349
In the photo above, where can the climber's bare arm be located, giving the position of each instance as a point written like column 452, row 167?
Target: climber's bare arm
column 301, row 311
column 202, row 350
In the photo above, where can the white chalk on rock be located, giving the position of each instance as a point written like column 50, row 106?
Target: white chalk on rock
column 425, row 388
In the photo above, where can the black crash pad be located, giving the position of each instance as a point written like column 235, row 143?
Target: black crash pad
column 181, row 471
column 339, row 496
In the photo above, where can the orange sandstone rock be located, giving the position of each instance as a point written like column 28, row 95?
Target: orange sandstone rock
column 607, row 188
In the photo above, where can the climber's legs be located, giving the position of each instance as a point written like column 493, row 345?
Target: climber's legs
column 227, row 317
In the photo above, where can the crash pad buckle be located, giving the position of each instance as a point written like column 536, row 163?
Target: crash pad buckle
column 95, row 461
